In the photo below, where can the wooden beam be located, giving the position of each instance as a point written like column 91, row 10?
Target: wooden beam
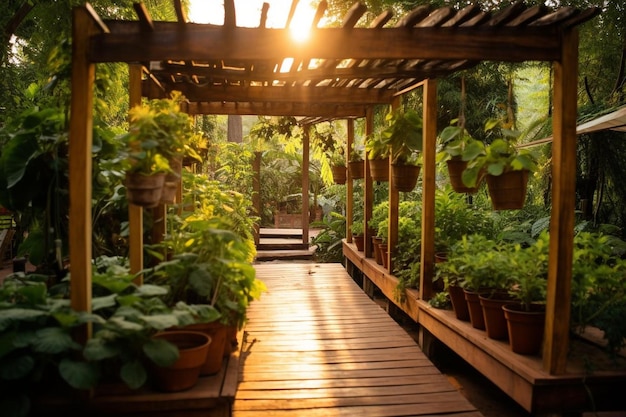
column 368, row 186
column 135, row 213
column 278, row 109
column 80, row 163
column 273, row 94
column 556, row 337
column 394, row 209
column 205, row 42
column 349, row 184
column 305, row 184
column 429, row 168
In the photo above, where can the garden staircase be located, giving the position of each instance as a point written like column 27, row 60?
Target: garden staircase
column 283, row 244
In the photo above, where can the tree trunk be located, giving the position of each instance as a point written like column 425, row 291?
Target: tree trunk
column 235, row 129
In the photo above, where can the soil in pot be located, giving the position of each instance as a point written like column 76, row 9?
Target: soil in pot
column 459, row 305
column 525, row 328
column 495, row 323
column 475, row 309
column 144, row 190
column 184, row 373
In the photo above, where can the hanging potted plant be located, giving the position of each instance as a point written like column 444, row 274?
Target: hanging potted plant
column 454, row 140
column 403, row 136
column 526, row 318
column 506, row 167
column 356, row 165
column 338, row 166
column 378, row 156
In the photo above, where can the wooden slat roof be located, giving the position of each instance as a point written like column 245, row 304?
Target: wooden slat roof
column 338, row 72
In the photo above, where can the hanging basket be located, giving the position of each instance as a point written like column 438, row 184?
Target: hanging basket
column 172, row 180
column 508, row 191
column 357, row 169
column 144, row 190
column 455, row 171
column 405, row 176
column 379, row 169
column 339, row 174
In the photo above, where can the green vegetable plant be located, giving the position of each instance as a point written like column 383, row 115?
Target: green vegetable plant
column 499, row 157
column 403, row 136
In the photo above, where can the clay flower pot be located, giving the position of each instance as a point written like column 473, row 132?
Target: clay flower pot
column 525, row 328
column 184, row 373
column 144, row 190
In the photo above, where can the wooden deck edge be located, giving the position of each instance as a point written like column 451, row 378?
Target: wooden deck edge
column 522, row 377
column 384, row 280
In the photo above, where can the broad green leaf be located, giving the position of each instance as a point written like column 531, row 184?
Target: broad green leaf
column 16, row 368
column 11, row 315
column 7, row 342
column 133, row 374
column 98, row 349
column 53, row 340
column 103, row 302
column 80, row 375
column 161, row 352
column 161, row 321
column 495, row 168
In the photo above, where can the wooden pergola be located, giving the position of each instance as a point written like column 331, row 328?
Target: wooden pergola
column 338, row 73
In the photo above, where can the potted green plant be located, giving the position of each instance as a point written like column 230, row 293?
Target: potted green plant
column 378, row 156
column 358, row 236
column 454, row 140
column 338, row 166
column 355, row 163
column 506, row 167
column 155, row 143
column 525, row 320
column 403, row 136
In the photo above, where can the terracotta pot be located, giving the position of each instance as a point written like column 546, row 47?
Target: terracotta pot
column 495, row 323
column 172, row 179
column 144, row 190
column 357, row 169
column 184, row 373
column 405, row 176
column 383, row 254
column 359, row 241
column 376, row 249
column 339, row 174
column 231, row 340
column 475, row 310
column 455, row 171
column 459, row 305
column 525, row 328
column 215, row 355
column 379, row 169
column 508, row 191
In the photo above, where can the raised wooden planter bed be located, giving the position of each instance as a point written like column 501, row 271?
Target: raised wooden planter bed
column 213, row 396
column 521, row 377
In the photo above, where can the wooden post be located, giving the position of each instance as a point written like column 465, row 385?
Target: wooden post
column 80, row 163
column 305, row 185
column 135, row 213
column 368, row 193
column 256, row 194
column 429, row 149
column 394, row 202
column 349, row 185
column 556, row 337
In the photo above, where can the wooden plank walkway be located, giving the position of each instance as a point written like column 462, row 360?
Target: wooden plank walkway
column 316, row 345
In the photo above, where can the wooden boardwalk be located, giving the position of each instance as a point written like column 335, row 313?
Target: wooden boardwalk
column 316, row 345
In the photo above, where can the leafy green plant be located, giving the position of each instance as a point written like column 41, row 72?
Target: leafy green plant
column 376, row 146
column 403, row 136
column 498, row 157
column 328, row 241
column 528, row 268
column 453, row 140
